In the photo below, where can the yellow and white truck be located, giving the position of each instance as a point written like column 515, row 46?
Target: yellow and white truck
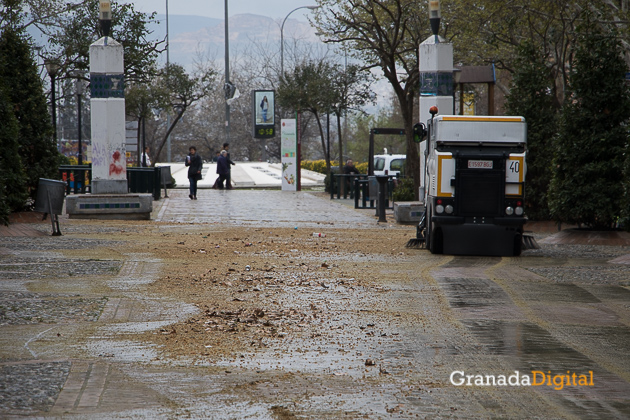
column 474, row 183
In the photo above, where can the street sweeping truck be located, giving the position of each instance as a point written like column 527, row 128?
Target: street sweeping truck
column 473, row 182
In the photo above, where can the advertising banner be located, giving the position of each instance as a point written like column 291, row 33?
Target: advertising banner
column 288, row 150
column 264, row 104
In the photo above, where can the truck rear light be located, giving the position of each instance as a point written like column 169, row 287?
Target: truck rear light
column 519, row 203
column 518, row 211
column 439, row 201
column 449, row 209
column 439, row 209
column 509, row 211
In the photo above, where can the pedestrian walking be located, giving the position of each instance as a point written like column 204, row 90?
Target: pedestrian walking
column 223, row 170
column 226, row 148
column 195, row 165
column 145, row 161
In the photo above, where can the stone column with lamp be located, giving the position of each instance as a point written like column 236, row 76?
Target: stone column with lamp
column 107, row 82
column 436, row 68
column 436, row 80
column 109, row 198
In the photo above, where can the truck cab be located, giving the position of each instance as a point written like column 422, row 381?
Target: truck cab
column 474, row 184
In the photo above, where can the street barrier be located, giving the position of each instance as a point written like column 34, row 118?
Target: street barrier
column 76, row 177
column 358, row 187
column 145, row 180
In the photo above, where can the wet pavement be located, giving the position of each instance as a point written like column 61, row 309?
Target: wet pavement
column 227, row 307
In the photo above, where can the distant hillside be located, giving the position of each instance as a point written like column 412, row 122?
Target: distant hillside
column 181, row 23
column 192, row 34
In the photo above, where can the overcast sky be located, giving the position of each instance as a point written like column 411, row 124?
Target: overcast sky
column 276, row 9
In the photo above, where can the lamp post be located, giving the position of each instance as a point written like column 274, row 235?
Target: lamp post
column 282, row 35
column 52, row 67
column 434, row 18
column 299, row 140
column 227, row 74
column 457, row 74
column 80, row 88
column 168, row 115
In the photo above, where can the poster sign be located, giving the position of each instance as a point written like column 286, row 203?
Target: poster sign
column 264, row 104
column 288, row 149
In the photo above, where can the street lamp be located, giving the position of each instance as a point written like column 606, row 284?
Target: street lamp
column 52, row 67
column 80, row 89
column 457, row 75
column 282, row 35
column 434, row 17
column 227, row 73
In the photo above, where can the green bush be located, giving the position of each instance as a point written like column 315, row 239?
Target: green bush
column 317, row 165
column 404, row 191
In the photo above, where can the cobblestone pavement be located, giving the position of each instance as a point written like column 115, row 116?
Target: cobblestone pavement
column 227, row 307
column 271, row 208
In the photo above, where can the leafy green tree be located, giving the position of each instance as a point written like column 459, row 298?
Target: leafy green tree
column 490, row 31
column 625, row 205
column 13, row 193
column 18, row 72
column 589, row 151
column 531, row 96
column 41, row 13
column 140, row 102
column 77, row 28
column 309, row 88
column 351, row 92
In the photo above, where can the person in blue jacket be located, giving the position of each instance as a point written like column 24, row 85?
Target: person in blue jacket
column 223, row 169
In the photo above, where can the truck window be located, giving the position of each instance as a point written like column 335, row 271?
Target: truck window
column 379, row 164
column 397, row 164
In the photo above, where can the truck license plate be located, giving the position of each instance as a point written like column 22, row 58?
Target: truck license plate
column 479, row 164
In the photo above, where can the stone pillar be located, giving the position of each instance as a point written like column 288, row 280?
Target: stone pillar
column 109, row 162
column 436, row 76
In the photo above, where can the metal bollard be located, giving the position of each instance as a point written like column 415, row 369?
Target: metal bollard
column 382, row 194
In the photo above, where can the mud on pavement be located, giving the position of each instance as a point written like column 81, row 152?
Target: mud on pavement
column 228, row 320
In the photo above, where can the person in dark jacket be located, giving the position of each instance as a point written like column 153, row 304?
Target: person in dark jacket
column 350, row 169
column 228, row 185
column 223, row 169
column 195, row 164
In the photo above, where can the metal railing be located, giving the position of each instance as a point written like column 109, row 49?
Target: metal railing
column 139, row 180
column 357, row 187
column 342, row 185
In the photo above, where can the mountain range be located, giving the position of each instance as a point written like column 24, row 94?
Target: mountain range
column 191, row 35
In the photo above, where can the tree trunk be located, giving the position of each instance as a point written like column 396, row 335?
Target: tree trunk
column 321, row 135
column 168, row 133
column 412, row 162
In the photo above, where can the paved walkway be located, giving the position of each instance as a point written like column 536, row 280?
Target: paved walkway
column 271, row 208
column 20, row 224
column 244, row 175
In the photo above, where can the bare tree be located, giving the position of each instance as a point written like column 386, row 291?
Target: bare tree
column 385, row 34
column 179, row 92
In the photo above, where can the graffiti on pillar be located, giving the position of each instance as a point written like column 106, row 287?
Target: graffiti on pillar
column 116, row 166
column 99, row 155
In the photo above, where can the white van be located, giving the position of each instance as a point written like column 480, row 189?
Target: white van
column 389, row 164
